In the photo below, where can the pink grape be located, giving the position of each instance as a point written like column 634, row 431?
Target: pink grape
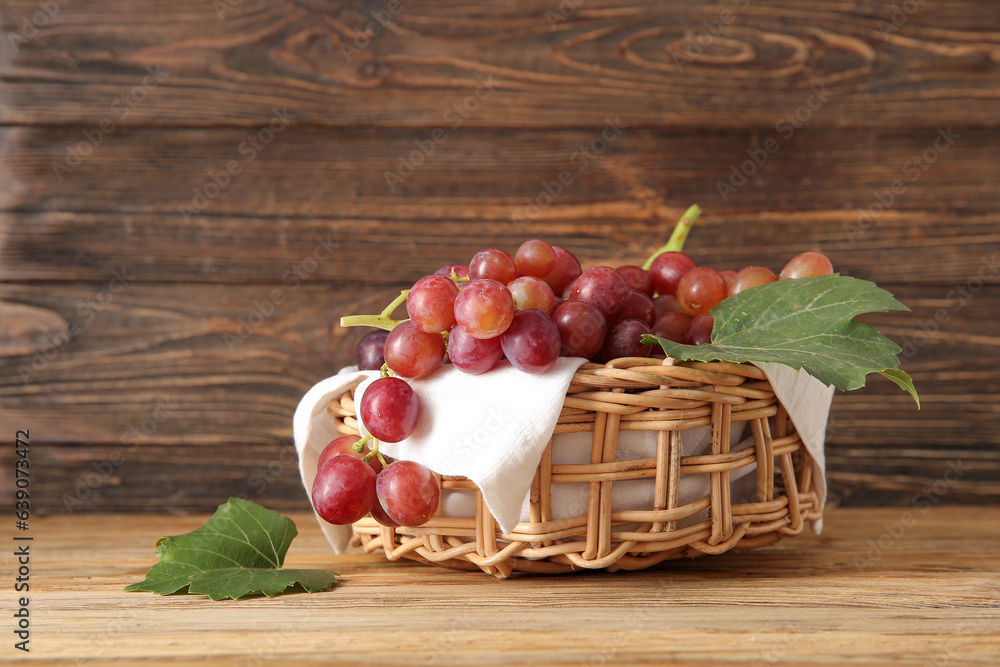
column 378, row 513
column 473, row 355
column 673, row 326
column 728, row 275
column 604, row 288
column 532, row 342
column 461, row 270
column 667, row 303
column 751, row 276
column 806, row 265
column 390, row 409
column 344, row 445
column 535, row 258
column 638, row 279
column 344, row 490
column 700, row 290
column 532, row 293
column 700, row 330
column 564, row 271
column 408, row 493
column 370, row 354
column 493, row 263
column 581, row 329
column 431, row 304
column 485, row 308
column 623, row 340
column 668, row 269
column 639, row 307
column 411, row 352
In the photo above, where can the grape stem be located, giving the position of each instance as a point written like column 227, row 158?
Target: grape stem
column 360, row 444
column 679, row 236
column 374, row 452
column 381, row 321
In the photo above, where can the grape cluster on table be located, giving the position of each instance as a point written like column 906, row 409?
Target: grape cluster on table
column 530, row 309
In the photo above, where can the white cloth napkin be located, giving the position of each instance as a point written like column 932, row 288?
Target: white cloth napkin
column 493, row 428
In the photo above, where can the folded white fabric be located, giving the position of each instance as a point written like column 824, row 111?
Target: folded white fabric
column 493, row 428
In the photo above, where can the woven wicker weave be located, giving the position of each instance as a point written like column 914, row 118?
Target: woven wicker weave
column 631, row 394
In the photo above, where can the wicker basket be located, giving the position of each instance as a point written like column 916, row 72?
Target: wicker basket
column 631, row 394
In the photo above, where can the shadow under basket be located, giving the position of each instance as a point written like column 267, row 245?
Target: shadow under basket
column 631, row 394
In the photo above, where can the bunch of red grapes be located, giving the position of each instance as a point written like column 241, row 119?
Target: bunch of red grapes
column 353, row 481
column 501, row 306
column 530, row 308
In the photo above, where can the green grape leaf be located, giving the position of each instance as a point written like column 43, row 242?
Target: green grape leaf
column 238, row 551
column 803, row 323
column 904, row 381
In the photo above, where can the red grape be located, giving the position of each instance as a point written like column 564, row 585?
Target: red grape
column 564, row 271
column 411, row 352
column 371, row 350
column 673, row 326
column 408, row 493
column 728, row 275
column 668, row 269
column 532, row 342
column 390, row 409
column 581, row 328
column 806, row 265
column 378, row 513
column 461, row 270
column 624, row 340
column 604, row 288
column 532, row 293
column 667, row 303
column 344, row 445
column 639, row 307
column 535, row 258
column 751, row 276
column 473, row 355
column 495, row 264
column 638, row 279
column 700, row 289
column 700, row 330
column 484, row 308
column 431, row 304
column 344, row 490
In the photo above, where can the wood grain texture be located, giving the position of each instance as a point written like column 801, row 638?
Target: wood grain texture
column 730, row 64
column 124, row 297
column 198, row 403
column 929, row 595
column 123, row 204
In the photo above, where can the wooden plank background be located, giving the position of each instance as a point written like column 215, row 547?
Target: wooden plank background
column 127, row 255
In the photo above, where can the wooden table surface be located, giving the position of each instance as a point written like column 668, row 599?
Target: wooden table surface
column 892, row 585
